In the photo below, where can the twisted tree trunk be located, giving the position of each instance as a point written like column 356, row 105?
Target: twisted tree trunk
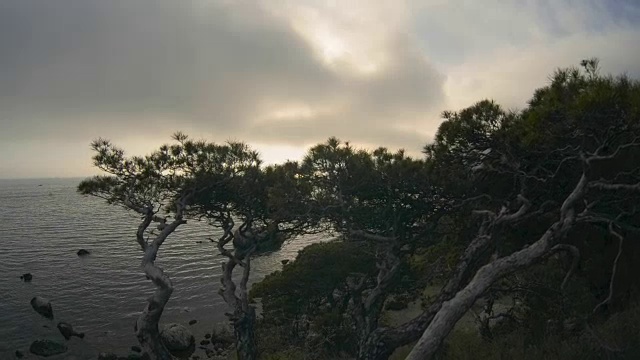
column 147, row 330
column 366, row 311
column 146, row 327
column 452, row 310
column 243, row 317
column 380, row 343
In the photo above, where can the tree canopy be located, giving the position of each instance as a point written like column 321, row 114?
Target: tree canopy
column 536, row 206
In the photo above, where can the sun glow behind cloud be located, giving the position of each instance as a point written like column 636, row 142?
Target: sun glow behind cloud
column 350, row 37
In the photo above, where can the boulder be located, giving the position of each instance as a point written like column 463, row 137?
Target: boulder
column 176, row 337
column 285, row 261
column 222, row 338
column 193, row 322
column 83, row 252
column 67, row 331
column 42, row 306
column 47, row 348
column 26, row 277
column 107, row 356
column 136, row 348
column 19, row 354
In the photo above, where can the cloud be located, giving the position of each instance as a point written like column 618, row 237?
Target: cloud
column 504, row 49
column 77, row 69
column 511, row 81
column 281, row 74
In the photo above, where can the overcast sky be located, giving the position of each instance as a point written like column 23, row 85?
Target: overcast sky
column 279, row 74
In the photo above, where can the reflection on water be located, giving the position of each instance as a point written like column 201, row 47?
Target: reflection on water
column 101, row 294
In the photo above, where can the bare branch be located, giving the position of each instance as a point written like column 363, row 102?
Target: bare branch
column 450, row 311
column 613, row 270
column 148, row 217
column 567, row 210
column 615, row 187
column 597, row 157
column 244, row 293
column 372, row 237
column 575, row 256
column 387, row 268
column 518, row 214
column 356, row 286
column 487, row 213
column 472, row 199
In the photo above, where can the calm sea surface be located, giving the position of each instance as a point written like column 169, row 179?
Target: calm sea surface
column 43, row 223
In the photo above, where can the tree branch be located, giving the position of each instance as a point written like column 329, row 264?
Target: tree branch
column 613, row 270
column 452, row 310
column 373, row 237
column 575, row 256
column 614, row 187
column 597, row 157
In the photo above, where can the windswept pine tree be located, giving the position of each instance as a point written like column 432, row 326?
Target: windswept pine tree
column 538, row 206
column 154, row 188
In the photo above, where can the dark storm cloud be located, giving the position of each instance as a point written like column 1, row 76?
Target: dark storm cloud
column 77, row 69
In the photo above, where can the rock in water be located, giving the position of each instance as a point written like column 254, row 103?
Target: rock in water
column 19, row 354
column 42, row 306
column 83, row 252
column 67, row 331
column 193, row 322
column 136, row 348
column 176, row 337
column 26, row 277
column 47, row 348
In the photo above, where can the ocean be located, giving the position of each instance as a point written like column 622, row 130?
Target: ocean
column 43, row 223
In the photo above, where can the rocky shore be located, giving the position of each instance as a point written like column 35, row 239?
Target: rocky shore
column 217, row 345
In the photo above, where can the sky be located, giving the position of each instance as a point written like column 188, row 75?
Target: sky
column 281, row 75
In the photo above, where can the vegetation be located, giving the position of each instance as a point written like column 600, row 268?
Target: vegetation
column 148, row 186
column 523, row 221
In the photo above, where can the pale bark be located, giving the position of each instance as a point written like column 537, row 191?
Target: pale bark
column 442, row 318
column 366, row 311
column 452, row 310
column 243, row 317
column 383, row 341
column 147, row 330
